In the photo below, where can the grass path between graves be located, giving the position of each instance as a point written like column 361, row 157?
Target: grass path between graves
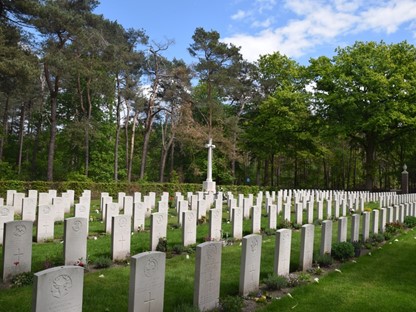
column 383, row 281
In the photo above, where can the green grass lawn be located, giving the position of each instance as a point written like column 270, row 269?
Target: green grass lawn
column 384, row 281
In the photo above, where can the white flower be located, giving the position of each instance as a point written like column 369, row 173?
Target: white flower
column 95, row 237
column 396, row 240
column 187, row 256
column 369, row 253
column 338, row 270
column 316, row 280
column 62, row 242
column 96, row 211
column 102, row 275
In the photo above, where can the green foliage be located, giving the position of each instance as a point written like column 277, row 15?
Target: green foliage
column 377, row 238
column 324, row 260
column 342, row 251
column 275, row 282
column 103, row 262
column 393, row 228
column 184, row 307
column 409, row 221
column 231, row 304
column 298, row 279
column 22, row 279
column 178, row 249
column 162, row 245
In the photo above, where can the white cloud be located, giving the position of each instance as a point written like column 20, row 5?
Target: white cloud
column 263, row 24
column 389, row 17
column 265, row 5
column 321, row 22
column 240, row 15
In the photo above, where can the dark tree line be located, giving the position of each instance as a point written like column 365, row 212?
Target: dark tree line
column 84, row 98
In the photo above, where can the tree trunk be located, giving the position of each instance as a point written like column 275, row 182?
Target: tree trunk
column 87, row 129
column 52, row 139
column 3, row 138
column 133, row 136
column 165, row 152
column 126, row 139
column 370, row 163
column 116, row 143
column 21, row 135
column 146, row 140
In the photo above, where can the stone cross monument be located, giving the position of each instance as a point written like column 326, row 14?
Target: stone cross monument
column 209, row 185
column 405, row 180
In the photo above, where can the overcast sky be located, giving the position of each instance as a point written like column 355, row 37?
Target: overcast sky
column 300, row 29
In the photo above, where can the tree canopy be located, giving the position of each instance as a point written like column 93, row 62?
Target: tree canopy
column 84, row 98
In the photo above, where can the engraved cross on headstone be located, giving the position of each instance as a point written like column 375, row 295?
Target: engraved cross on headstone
column 122, row 240
column 149, row 301
column 18, row 254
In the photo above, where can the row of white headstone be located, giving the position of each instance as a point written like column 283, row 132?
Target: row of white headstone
column 20, row 252
column 147, row 274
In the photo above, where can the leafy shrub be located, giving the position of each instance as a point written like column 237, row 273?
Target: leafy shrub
column 296, row 226
column 231, row 304
column 178, row 249
column 285, row 224
column 22, row 279
column 297, row 280
column 103, row 262
column 409, row 221
column 275, row 282
column 183, row 307
column 269, row 232
column 377, row 238
column 162, row 245
column 342, row 251
column 394, row 227
column 324, row 260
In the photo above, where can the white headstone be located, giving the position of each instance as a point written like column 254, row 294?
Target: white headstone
column 256, row 219
column 45, row 224
column 189, row 227
column 9, row 197
column 45, row 199
column 111, row 211
column 58, row 289
column 326, row 237
column 18, row 202
column 355, row 228
column 342, row 229
column 282, row 252
column 207, row 275
column 128, row 205
column 17, row 248
column 75, row 241
column 139, row 213
column 58, row 208
column 158, row 228
column 6, row 215
column 250, row 264
column 147, row 282
column 29, row 209
column 215, row 218
column 237, row 222
column 120, row 237
column 306, row 246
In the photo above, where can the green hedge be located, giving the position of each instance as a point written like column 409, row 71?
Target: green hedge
column 114, row 188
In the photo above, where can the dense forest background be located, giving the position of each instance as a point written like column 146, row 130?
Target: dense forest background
column 84, row 99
